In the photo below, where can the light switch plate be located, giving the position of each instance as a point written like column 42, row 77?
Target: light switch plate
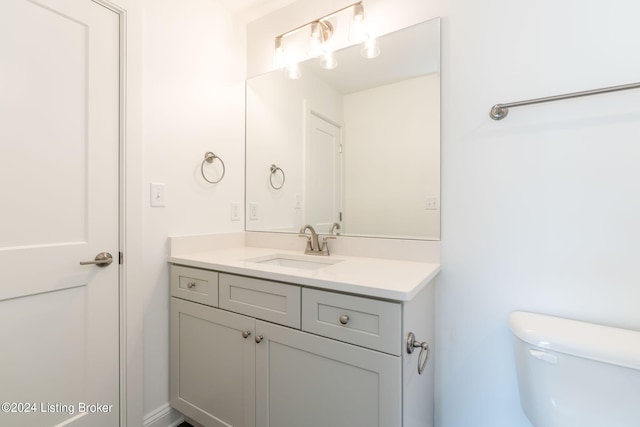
column 156, row 194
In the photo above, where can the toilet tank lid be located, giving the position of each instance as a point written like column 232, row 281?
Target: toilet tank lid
column 597, row 342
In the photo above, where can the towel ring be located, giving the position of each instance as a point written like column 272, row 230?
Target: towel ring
column 275, row 169
column 209, row 157
column 425, row 352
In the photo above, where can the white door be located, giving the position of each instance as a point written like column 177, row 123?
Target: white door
column 59, row 149
column 322, row 174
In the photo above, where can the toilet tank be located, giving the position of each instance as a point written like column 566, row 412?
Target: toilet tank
column 573, row 373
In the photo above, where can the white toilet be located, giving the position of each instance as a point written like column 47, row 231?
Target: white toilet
column 576, row 374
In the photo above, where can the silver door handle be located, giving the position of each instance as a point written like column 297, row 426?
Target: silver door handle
column 103, row 259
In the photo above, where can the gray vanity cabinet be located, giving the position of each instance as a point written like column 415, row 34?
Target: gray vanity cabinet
column 281, row 355
column 212, row 365
column 311, row 381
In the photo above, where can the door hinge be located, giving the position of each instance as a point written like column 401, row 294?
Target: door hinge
column 120, row 258
column 340, row 149
column 340, row 216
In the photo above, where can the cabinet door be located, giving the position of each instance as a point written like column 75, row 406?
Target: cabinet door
column 212, row 365
column 311, row 381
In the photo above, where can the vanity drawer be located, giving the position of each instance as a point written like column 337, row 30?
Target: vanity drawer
column 362, row 321
column 194, row 284
column 271, row 301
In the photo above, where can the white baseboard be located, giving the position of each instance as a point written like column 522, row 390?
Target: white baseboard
column 164, row 416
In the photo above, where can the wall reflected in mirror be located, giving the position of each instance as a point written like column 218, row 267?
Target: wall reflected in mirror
column 357, row 145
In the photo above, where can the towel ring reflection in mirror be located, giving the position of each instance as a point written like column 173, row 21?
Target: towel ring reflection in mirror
column 274, row 169
column 209, row 157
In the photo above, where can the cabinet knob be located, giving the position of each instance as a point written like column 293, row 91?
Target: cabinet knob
column 259, row 338
column 191, row 285
column 344, row 319
column 245, row 334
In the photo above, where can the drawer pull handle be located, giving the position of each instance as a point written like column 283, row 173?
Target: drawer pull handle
column 245, row 334
column 344, row 319
column 423, row 357
column 259, row 338
column 191, row 285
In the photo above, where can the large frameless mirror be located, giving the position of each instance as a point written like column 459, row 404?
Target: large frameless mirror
column 357, row 145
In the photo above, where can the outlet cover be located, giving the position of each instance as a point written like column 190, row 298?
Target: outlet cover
column 253, row 211
column 235, row 211
column 431, row 203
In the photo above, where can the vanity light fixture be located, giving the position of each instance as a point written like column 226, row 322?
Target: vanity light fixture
column 280, row 60
column 358, row 30
column 278, row 55
column 328, row 60
column 315, row 40
column 293, row 71
column 370, row 48
column 320, row 33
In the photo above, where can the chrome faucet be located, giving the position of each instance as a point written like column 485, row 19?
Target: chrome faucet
column 334, row 226
column 312, row 241
column 314, row 246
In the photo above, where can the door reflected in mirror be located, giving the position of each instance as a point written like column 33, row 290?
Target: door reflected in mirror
column 359, row 144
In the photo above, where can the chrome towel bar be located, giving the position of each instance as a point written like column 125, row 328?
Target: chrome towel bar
column 500, row 111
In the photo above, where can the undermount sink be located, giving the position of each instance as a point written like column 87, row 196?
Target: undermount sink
column 295, row 261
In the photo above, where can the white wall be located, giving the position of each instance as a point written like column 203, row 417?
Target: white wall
column 193, row 102
column 383, row 125
column 539, row 210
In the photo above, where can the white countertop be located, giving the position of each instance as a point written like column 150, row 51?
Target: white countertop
column 374, row 277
